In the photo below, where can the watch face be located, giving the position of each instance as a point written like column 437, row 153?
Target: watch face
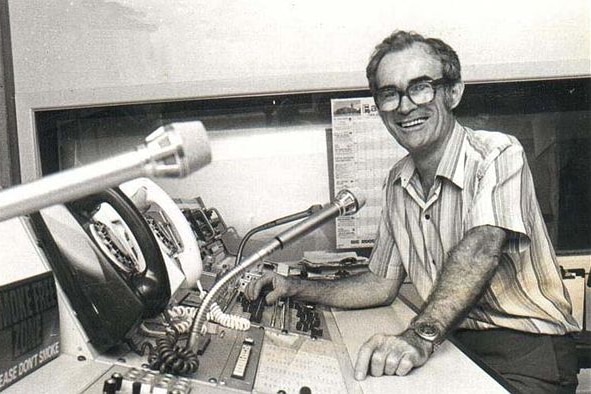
column 427, row 331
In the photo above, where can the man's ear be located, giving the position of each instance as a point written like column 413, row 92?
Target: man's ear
column 455, row 94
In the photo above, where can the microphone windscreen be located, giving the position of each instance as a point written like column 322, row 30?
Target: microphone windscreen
column 350, row 200
column 196, row 149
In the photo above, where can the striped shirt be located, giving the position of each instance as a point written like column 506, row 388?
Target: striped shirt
column 482, row 179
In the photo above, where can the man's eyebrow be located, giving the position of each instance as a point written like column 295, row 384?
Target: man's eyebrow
column 422, row 78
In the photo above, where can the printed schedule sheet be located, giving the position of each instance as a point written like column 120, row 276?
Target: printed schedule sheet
column 363, row 152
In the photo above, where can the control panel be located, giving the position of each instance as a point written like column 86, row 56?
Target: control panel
column 273, row 355
column 198, row 334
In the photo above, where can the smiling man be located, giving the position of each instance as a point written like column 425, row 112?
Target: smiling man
column 459, row 218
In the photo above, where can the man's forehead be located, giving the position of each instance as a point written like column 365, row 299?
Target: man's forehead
column 400, row 67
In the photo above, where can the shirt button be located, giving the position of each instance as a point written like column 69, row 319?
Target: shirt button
column 427, row 216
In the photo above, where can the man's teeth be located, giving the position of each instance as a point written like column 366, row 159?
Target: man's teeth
column 414, row 122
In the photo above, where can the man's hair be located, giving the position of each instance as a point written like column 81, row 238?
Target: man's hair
column 400, row 40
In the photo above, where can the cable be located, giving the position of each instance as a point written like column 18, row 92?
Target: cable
column 171, row 358
column 181, row 318
column 229, row 321
column 148, row 332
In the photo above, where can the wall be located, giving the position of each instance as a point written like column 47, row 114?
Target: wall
column 91, row 52
column 66, row 45
column 78, row 53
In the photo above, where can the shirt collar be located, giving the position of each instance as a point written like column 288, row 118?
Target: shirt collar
column 406, row 172
column 451, row 165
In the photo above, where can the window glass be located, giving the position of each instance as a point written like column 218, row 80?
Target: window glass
column 551, row 119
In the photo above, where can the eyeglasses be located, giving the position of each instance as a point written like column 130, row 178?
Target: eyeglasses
column 388, row 97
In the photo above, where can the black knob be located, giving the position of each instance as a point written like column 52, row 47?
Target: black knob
column 118, row 379
column 316, row 332
column 305, row 390
column 136, row 388
column 110, row 386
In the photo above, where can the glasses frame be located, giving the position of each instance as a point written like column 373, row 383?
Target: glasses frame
column 401, row 93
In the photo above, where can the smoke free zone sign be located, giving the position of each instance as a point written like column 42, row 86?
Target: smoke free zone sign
column 29, row 327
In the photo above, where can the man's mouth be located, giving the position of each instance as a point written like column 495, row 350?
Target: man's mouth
column 412, row 123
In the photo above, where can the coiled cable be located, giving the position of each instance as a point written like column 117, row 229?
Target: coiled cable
column 173, row 359
column 225, row 319
column 180, row 318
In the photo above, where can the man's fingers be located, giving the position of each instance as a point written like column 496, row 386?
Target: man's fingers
column 378, row 361
column 364, row 358
column 405, row 365
column 254, row 288
column 272, row 297
column 249, row 291
column 387, row 355
column 391, row 364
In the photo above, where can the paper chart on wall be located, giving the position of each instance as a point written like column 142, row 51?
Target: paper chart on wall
column 363, row 151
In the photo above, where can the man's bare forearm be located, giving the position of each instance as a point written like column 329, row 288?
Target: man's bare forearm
column 464, row 277
column 353, row 292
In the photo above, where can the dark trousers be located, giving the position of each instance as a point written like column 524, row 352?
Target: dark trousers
column 529, row 363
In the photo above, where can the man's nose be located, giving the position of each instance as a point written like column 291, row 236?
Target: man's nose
column 406, row 105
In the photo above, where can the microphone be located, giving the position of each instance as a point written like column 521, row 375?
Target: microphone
column 345, row 203
column 290, row 218
column 173, row 150
column 274, row 223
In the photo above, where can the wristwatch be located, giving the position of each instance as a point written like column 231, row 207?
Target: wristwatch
column 427, row 331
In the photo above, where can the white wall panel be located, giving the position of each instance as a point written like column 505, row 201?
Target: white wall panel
column 64, row 45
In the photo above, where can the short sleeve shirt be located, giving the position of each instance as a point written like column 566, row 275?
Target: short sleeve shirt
column 482, row 179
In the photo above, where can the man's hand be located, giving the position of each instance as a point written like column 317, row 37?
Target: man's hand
column 279, row 283
column 392, row 355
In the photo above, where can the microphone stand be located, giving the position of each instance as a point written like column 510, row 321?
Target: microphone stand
column 277, row 222
column 345, row 203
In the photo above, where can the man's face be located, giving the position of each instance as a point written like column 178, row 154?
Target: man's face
column 418, row 128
